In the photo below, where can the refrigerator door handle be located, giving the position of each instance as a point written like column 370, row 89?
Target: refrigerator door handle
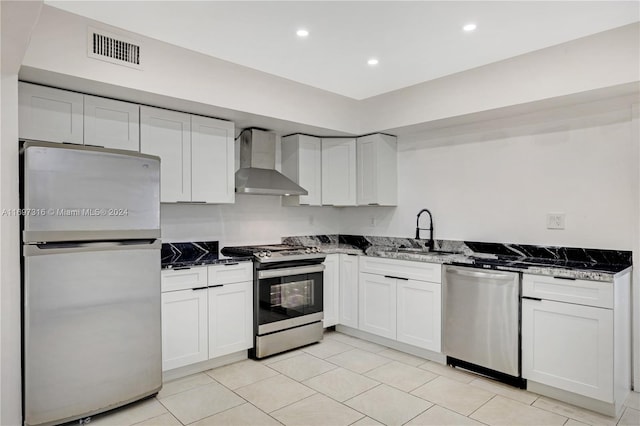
column 79, row 247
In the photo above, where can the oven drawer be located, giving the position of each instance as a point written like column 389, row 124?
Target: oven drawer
column 229, row 273
column 183, row 279
column 581, row 292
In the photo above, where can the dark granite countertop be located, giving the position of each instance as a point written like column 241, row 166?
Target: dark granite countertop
column 566, row 262
column 189, row 254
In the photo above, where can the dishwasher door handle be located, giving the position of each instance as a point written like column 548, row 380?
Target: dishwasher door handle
column 479, row 274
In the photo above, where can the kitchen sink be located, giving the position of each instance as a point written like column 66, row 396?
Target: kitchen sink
column 422, row 251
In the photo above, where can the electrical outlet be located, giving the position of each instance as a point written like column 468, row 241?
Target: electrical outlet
column 555, row 220
column 372, row 221
column 311, row 220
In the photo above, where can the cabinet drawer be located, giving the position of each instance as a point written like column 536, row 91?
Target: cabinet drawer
column 582, row 292
column 183, row 279
column 230, row 273
column 421, row 271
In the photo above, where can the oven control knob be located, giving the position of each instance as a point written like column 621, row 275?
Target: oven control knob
column 261, row 254
column 307, row 250
column 267, row 253
column 315, row 249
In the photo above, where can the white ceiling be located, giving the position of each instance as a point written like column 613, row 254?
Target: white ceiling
column 415, row 41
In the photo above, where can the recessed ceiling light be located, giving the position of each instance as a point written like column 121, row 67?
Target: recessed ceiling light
column 470, row 27
column 302, row 33
column 372, row 61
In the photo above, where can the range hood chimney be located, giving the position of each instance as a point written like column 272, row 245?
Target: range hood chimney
column 257, row 173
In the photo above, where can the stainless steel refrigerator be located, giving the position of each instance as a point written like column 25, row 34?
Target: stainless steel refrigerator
column 91, row 280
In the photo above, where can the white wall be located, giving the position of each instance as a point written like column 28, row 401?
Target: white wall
column 603, row 60
column 253, row 219
column 635, row 281
column 17, row 20
column 10, row 386
column 59, row 45
column 501, row 189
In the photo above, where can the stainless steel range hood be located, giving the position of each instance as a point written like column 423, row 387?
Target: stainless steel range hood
column 257, row 173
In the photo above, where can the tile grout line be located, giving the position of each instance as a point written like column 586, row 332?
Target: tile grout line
column 421, row 412
column 482, row 405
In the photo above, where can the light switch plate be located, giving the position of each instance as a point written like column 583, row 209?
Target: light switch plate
column 555, row 221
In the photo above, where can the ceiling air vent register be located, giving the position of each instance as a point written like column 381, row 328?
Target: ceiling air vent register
column 113, row 48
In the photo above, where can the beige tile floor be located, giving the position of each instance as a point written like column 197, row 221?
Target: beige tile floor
column 347, row 381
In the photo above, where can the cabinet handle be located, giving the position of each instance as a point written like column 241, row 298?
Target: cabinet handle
column 351, row 254
column 565, row 278
column 199, row 288
column 373, row 204
column 537, row 299
column 231, row 264
column 217, row 285
column 191, row 202
column 396, row 278
column 182, row 268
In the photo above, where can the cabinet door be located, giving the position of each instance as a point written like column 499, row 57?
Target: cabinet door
column 330, row 287
column 569, row 347
column 339, row 172
column 112, row 124
column 48, row 114
column 167, row 134
column 212, row 160
column 377, row 182
column 377, row 307
column 230, row 318
column 348, row 294
column 419, row 314
column 184, row 328
column 310, row 173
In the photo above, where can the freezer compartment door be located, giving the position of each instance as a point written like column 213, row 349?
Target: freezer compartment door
column 78, row 193
column 92, row 338
column 482, row 318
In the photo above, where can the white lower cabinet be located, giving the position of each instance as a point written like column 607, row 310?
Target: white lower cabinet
column 206, row 313
column 568, row 347
column 419, row 314
column 576, row 340
column 377, row 308
column 348, row 294
column 331, row 290
column 184, row 328
column 230, row 318
column 401, row 300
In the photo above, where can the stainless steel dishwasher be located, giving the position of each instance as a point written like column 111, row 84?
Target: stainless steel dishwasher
column 481, row 316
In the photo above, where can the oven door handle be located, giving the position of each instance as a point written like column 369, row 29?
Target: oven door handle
column 287, row 272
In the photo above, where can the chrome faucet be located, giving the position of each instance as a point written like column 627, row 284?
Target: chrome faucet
column 418, row 229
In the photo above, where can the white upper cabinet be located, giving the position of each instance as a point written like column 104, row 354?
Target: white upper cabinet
column 167, row 134
column 377, row 170
column 111, row 124
column 196, row 152
column 339, row 172
column 212, row 160
column 49, row 114
column 302, row 163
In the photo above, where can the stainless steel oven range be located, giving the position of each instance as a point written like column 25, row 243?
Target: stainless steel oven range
column 287, row 296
